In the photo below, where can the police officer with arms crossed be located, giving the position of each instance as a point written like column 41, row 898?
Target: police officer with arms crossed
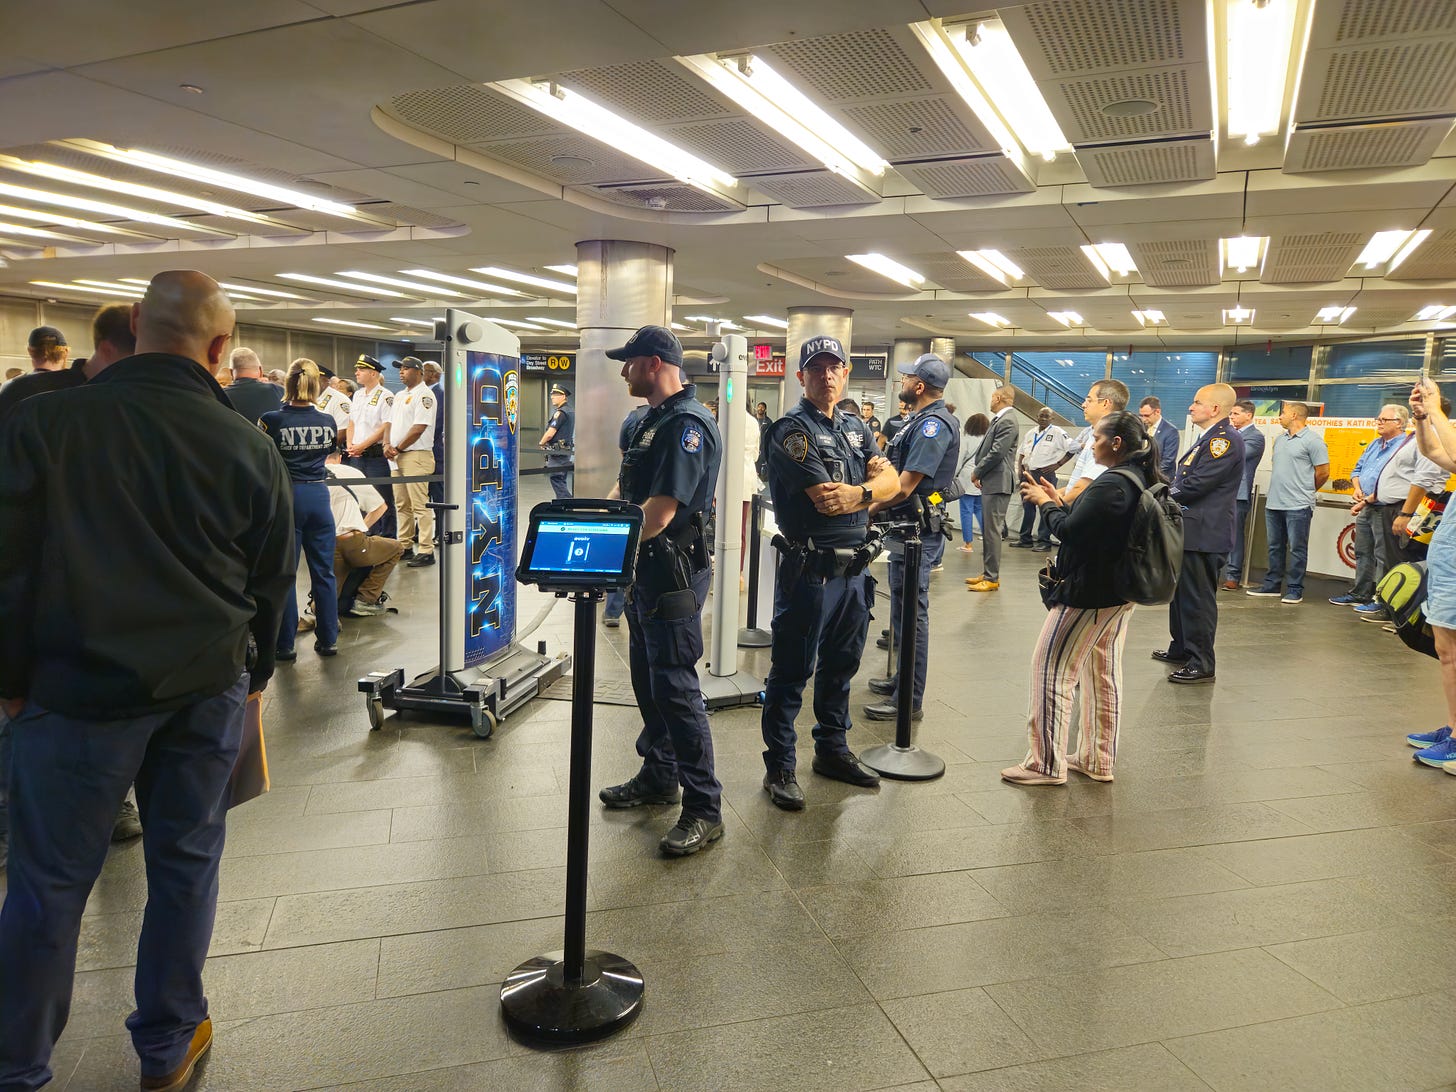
column 368, row 429
column 1206, row 485
column 670, row 469
column 924, row 452
column 410, row 444
column 824, row 470
column 559, row 441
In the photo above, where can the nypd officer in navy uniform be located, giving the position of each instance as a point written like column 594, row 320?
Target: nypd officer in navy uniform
column 924, row 452
column 670, row 468
column 559, row 441
column 824, row 470
column 1206, row 485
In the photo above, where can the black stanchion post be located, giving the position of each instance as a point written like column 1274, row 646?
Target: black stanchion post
column 575, row 995
column 751, row 636
column 902, row 760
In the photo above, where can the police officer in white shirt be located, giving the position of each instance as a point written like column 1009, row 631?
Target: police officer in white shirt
column 411, row 445
column 335, row 403
column 368, row 426
column 362, row 562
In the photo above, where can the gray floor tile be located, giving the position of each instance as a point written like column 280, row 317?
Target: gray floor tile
column 295, row 833
column 1131, row 833
column 733, row 866
column 864, row 1052
column 1373, row 966
column 960, row 1032
column 1318, row 856
column 1099, row 881
column 920, row 852
column 608, row 1067
column 1148, row 1066
column 110, row 940
column 401, row 792
column 1390, row 1045
column 872, row 906
column 1145, row 1002
column 813, row 864
column 1417, row 804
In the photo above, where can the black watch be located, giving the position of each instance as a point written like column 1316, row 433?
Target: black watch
column 866, row 495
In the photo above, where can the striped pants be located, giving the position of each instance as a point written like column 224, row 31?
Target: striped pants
column 1078, row 651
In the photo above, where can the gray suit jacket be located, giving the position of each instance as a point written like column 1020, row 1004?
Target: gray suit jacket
column 996, row 457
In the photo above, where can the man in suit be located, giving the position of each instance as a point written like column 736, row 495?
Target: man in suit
column 1241, row 417
column 1206, row 485
column 994, row 474
column 1163, row 434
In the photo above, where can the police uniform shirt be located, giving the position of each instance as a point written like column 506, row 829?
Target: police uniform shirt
column 927, row 444
column 415, row 406
column 304, row 437
column 564, row 422
column 351, row 497
column 1206, row 484
column 684, row 450
column 368, row 411
column 803, row 449
column 629, row 427
column 336, row 406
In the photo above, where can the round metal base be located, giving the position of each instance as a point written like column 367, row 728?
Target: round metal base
column 903, row 763
column 539, row 1005
column 754, row 638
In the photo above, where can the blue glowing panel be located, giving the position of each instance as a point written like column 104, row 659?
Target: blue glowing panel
column 490, row 535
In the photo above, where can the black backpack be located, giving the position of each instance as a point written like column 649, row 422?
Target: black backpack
column 1147, row 571
column 1402, row 592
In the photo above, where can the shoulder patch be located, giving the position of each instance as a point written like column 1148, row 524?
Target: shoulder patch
column 930, row 429
column 692, row 439
column 796, row 443
column 1219, row 448
column 427, row 401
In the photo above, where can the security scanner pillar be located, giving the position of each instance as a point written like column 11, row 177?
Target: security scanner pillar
column 751, row 636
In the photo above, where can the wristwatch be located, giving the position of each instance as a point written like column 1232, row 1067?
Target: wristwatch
column 866, row 494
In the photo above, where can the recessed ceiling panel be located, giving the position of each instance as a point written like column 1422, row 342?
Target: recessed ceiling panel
column 1061, row 267
column 981, row 176
column 571, row 159
column 1074, row 36
column 1177, row 263
column 954, row 273
column 811, row 189
column 1365, row 147
column 648, row 92
column 667, row 197
column 466, row 113
column 1394, row 79
column 1115, row 166
column 1433, row 260
column 739, row 146
column 1311, row 258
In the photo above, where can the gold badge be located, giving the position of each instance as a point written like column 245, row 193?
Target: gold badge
column 1219, row 448
column 796, row 443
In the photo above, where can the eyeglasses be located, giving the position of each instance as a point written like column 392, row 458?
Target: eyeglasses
column 830, row 366
column 1389, row 420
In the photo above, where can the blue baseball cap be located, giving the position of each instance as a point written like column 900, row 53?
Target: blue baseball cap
column 821, row 344
column 929, row 369
column 656, row 341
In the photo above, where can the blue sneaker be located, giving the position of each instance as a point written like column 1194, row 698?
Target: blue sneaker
column 1372, row 612
column 1439, row 755
column 1428, row 739
column 1349, row 599
column 1262, row 592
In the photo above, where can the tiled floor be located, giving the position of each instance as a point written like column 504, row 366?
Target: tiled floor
column 1261, row 900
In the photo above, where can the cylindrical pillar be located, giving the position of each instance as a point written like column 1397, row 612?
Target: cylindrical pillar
column 804, row 323
column 621, row 286
column 944, row 347
column 906, row 350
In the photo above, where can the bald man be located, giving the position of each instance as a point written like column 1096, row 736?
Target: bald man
column 1206, row 484
column 130, row 584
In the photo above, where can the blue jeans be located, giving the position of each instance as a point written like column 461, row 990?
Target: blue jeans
column 313, row 535
column 616, row 603
column 1370, row 560
column 69, row 778
column 1288, row 532
column 934, row 550
column 971, row 507
column 1235, row 568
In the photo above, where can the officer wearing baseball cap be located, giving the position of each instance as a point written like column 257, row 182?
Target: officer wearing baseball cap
column 924, row 452
column 559, row 442
column 824, row 469
column 670, row 468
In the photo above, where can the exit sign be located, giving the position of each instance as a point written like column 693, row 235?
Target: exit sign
column 763, row 352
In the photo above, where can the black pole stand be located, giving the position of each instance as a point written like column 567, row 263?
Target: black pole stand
column 902, row 760
column 576, row 995
column 751, row 636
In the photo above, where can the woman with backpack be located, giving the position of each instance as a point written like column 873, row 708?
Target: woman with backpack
column 977, row 425
column 1081, row 642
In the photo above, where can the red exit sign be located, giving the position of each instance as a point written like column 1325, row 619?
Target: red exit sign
column 763, row 352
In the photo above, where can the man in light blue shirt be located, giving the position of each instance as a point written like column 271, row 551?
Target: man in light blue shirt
column 1301, row 464
column 1370, row 562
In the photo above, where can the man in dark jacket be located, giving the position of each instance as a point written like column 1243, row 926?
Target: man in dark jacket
column 130, row 582
column 251, row 394
column 1206, row 484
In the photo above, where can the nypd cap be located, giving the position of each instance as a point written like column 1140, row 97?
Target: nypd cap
column 929, row 369
column 656, row 341
column 558, row 389
column 409, row 362
column 816, row 346
column 367, row 361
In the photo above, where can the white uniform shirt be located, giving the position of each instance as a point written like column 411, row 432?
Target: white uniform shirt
column 368, row 411
column 336, row 406
column 1085, row 465
column 1044, row 448
column 413, row 406
column 349, row 505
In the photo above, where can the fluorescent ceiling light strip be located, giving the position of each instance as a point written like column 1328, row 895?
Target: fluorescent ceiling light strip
column 1243, row 252
column 614, row 131
column 262, row 291
column 888, row 267
column 1416, row 239
column 1097, row 263
column 991, row 55
column 70, row 221
column 237, row 183
column 1260, row 37
column 1238, row 316
column 464, row 282
column 395, row 282
column 552, row 322
column 514, row 322
column 427, row 323
column 234, row 291
column 680, row 326
column 767, row 320
column 356, row 325
column 40, row 233
column 754, row 85
column 990, row 318
column 84, row 291
column 1150, row 317
column 108, row 284
column 1333, row 316
column 1381, row 248
column 953, row 68
column 329, row 282
column 56, row 173
column 994, row 264
column 106, row 208
column 1115, row 256
column 564, row 270
column 1435, row 311
column 525, row 278
column 1066, row 318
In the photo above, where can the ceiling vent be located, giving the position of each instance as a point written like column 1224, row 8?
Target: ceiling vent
column 467, row 113
column 668, row 197
column 1061, row 267
column 1177, row 263
column 1435, row 260
column 1311, row 258
column 1365, row 147
column 986, row 176
column 1146, row 164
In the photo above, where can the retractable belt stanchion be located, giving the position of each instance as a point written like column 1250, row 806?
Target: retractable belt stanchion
column 902, row 760
column 751, row 636
column 578, row 994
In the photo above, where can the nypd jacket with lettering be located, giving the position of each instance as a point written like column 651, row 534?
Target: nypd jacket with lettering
column 1206, row 485
column 304, row 437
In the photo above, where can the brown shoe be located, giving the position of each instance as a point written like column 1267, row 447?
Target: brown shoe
column 178, row 1079
column 984, row 585
column 1230, row 585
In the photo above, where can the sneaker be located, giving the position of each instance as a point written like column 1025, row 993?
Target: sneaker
column 364, row 609
column 689, row 836
column 966, row 549
column 938, row 568
column 1020, row 775
column 1264, row 593
column 1041, row 548
column 1389, row 627
column 1077, row 767
column 1372, row 612
column 1428, row 739
column 128, row 823
column 1230, row 585
column 632, row 793
column 420, row 561
column 1292, row 598
column 1349, row 599
column 611, row 621
column 1439, row 755
column 883, row 687
column 408, row 555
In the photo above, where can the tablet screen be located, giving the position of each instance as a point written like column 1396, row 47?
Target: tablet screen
column 580, row 547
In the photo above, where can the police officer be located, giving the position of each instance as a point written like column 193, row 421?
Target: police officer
column 924, row 451
column 559, row 442
column 434, row 380
column 368, row 429
column 824, row 470
column 331, row 401
column 670, row 469
column 1206, row 484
